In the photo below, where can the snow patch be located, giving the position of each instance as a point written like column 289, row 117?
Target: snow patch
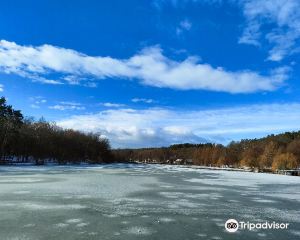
column 139, row 231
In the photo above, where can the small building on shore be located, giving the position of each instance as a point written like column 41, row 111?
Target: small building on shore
column 188, row 161
column 292, row 172
column 179, row 161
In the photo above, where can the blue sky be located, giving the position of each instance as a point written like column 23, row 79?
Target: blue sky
column 155, row 72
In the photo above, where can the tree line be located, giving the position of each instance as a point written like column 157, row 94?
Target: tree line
column 25, row 140
column 271, row 153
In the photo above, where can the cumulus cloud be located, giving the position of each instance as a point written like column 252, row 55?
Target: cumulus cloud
column 162, row 127
column 150, row 67
column 63, row 106
column 1, row 88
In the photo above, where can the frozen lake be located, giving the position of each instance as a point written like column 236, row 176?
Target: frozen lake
column 142, row 202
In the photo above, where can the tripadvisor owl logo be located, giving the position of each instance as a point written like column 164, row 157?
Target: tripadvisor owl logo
column 231, row 225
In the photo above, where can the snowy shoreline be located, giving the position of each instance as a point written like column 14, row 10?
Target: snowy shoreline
column 130, row 164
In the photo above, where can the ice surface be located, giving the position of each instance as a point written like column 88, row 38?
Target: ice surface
column 120, row 201
column 137, row 230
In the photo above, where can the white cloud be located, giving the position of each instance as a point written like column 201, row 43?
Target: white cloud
column 37, row 101
column 144, row 100
column 149, row 66
column 184, row 25
column 108, row 104
column 63, row 106
column 35, row 106
column 1, row 88
column 277, row 21
column 281, row 16
column 161, row 127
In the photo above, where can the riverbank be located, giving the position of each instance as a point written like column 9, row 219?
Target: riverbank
column 295, row 172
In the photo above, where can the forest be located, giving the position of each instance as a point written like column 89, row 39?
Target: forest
column 25, row 140
column 271, row 153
